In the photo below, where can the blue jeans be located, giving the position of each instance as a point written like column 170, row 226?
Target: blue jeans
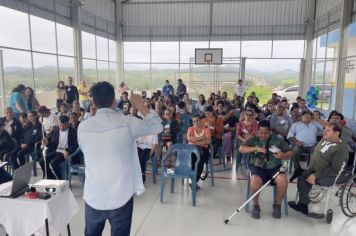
column 120, row 220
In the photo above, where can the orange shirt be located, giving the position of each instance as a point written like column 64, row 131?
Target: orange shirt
column 205, row 133
column 217, row 128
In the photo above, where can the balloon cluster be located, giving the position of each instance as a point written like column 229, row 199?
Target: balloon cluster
column 312, row 96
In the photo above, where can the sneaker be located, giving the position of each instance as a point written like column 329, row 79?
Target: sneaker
column 256, row 212
column 276, row 211
column 303, row 208
column 296, row 174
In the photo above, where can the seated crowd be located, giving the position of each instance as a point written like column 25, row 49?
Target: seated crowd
column 261, row 137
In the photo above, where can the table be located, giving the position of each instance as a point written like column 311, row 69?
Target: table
column 23, row 217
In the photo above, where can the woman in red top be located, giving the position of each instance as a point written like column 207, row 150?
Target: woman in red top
column 245, row 130
column 200, row 137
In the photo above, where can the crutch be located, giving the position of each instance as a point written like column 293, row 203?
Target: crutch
column 281, row 170
column 44, row 150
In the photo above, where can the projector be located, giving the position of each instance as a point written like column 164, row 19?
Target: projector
column 51, row 186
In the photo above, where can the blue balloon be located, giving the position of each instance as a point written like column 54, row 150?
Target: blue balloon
column 312, row 88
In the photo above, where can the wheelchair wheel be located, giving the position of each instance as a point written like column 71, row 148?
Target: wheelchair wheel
column 348, row 197
column 329, row 216
column 317, row 193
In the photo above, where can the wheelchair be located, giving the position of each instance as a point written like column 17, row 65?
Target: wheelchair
column 345, row 186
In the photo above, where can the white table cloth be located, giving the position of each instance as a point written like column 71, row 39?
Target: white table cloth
column 23, row 217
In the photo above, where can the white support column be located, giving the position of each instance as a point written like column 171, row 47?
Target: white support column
column 2, row 83
column 78, row 52
column 119, row 42
column 305, row 78
column 346, row 13
column 243, row 68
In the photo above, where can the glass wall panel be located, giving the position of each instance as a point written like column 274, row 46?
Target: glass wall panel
column 89, row 71
column 165, row 52
column 103, row 71
column 257, row 49
column 66, row 68
column 288, row 48
column 88, row 45
column 112, row 50
column 137, row 77
column 43, row 35
column 46, row 78
column 137, row 52
column 102, row 48
column 65, row 40
column 14, row 30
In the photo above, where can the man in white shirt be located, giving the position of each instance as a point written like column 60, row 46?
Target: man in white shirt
column 240, row 89
column 112, row 169
column 48, row 120
column 146, row 147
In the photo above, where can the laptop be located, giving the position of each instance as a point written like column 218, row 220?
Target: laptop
column 20, row 182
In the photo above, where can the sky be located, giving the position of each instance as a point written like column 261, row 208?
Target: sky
column 14, row 32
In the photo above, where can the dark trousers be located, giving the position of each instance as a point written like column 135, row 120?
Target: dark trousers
column 304, row 187
column 216, row 144
column 120, row 220
column 53, row 165
column 296, row 154
column 21, row 155
column 4, row 176
column 204, row 158
column 144, row 156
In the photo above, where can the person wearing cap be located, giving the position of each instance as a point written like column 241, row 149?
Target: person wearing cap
column 303, row 136
column 181, row 89
column 62, row 143
column 167, row 88
column 17, row 101
column 240, row 89
column 47, row 119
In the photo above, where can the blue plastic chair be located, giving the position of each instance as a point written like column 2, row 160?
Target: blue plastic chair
column 183, row 167
column 248, row 195
column 154, row 167
column 68, row 168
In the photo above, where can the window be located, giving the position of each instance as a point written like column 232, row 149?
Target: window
column 288, row 49
column 88, row 45
column 112, row 50
column 89, row 71
column 43, row 35
column 137, row 77
column 66, row 68
column 165, row 52
column 46, row 78
column 136, row 52
column 14, row 30
column 103, row 71
column 102, row 48
column 65, row 40
column 257, row 49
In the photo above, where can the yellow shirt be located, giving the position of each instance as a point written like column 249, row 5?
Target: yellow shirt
column 82, row 89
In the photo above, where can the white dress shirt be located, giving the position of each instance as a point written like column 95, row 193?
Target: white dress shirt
column 240, row 90
column 112, row 168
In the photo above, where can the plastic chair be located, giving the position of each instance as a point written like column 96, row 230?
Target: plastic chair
column 11, row 154
column 68, row 168
column 183, row 167
column 248, row 195
column 154, row 167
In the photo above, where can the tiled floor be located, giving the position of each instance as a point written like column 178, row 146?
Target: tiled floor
column 177, row 216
